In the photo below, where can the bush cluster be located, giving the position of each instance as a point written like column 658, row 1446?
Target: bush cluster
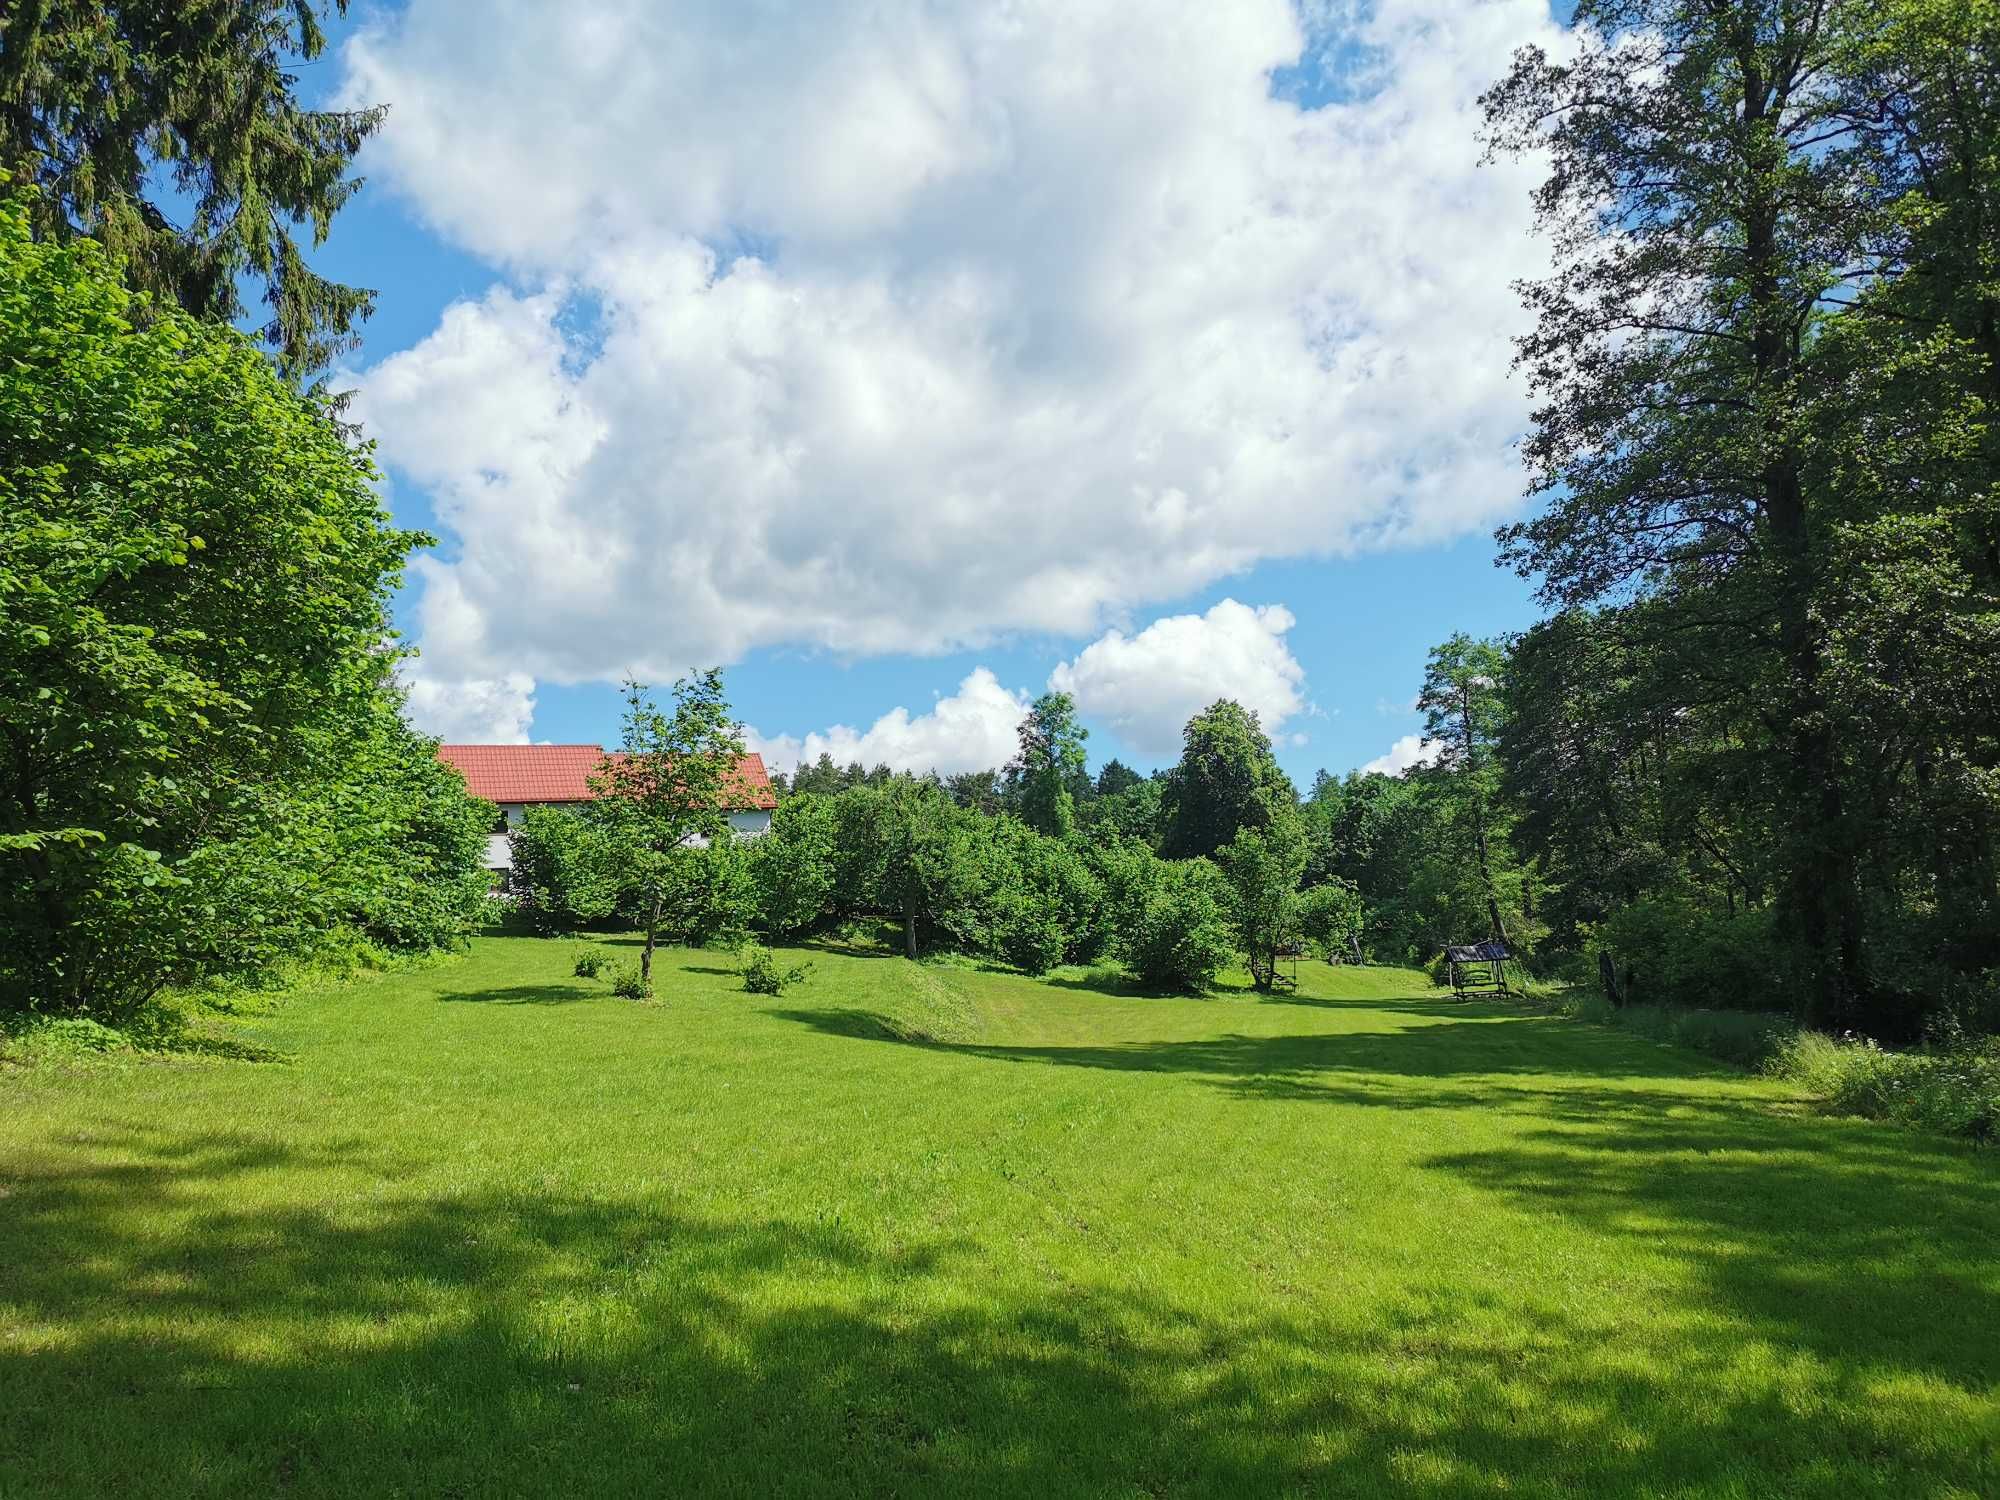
column 1669, row 951
column 764, row 975
column 627, row 983
column 1951, row 1084
column 208, row 773
column 950, row 878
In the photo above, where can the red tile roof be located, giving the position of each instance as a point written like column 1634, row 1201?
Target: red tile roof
column 561, row 773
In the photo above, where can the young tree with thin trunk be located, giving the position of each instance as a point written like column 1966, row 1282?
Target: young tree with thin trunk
column 1263, row 867
column 665, row 791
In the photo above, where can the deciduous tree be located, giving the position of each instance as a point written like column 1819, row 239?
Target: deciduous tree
column 665, row 793
column 1227, row 780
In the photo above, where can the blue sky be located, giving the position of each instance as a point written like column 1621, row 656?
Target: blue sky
column 1353, row 493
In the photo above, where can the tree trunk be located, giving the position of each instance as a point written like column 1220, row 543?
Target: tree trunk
column 1820, row 892
column 910, row 929
column 646, row 958
column 1499, row 932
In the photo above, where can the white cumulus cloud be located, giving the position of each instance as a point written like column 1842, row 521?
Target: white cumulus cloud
column 470, row 711
column 1146, row 687
column 899, row 326
column 970, row 730
column 1409, row 752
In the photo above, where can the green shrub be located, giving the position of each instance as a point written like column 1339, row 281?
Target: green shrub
column 1746, row 1038
column 206, row 767
column 1033, row 942
column 34, row 1038
column 1177, row 935
column 563, row 870
column 714, row 895
column 1951, row 1086
column 764, row 975
column 627, row 983
column 1672, row 952
column 1332, row 917
column 589, row 963
column 1040, row 904
column 792, row 866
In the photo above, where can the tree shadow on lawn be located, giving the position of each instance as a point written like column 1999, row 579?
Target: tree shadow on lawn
column 1324, row 1064
column 1860, row 1244
column 173, row 1331
column 558, row 992
column 1120, row 986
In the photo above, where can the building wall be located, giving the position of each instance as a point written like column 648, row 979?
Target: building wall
column 500, row 854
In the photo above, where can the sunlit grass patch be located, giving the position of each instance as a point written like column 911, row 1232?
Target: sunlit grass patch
column 933, row 1229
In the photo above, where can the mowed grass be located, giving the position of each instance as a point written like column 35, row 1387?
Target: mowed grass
column 930, row 1231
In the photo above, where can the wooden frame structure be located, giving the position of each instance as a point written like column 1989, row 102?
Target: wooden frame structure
column 1477, row 968
column 1284, row 971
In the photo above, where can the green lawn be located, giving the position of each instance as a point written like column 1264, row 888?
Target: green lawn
column 903, row 1231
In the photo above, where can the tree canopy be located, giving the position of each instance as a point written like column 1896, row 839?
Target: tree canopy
column 1764, row 362
column 203, row 765
column 1227, row 780
column 663, row 795
column 173, row 135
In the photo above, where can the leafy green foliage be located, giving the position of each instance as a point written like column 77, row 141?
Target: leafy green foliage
column 1169, row 919
column 1766, row 363
column 1263, row 868
column 1402, row 844
column 630, row 982
column 1048, row 763
column 763, row 974
column 1043, row 904
column 1954, row 1088
column 910, row 853
column 409, row 843
column 1669, row 951
column 1227, row 780
column 1462, row 702
column 589, row 963
column 793, row 866
column 172, row 134
column 660, row 799
column 715, row 896
column 204, row 769
column 564, row 869
column 1332, row 917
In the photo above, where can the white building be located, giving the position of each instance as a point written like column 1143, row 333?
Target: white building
column 518, row 777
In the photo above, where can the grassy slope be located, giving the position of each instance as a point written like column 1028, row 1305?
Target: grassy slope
column 493, row 1232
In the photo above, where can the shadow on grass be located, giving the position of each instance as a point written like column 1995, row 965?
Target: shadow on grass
column 556, row 992
column 1108, row 981
column 195, row 1042
column 1340, row 1067
column 176, row 1328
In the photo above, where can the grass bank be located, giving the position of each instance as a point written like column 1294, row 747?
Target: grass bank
column 940, row 1231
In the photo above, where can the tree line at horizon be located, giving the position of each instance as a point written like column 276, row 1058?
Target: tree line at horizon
column 1753, row 750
